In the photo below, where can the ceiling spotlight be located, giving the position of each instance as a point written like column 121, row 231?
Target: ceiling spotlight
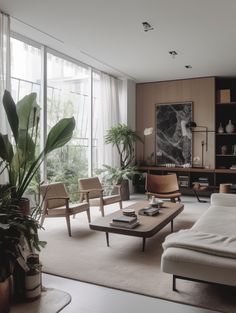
column 147, row 26
column 173, row 53
column 188, row 66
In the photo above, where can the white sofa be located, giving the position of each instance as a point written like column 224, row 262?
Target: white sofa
column 219, row 221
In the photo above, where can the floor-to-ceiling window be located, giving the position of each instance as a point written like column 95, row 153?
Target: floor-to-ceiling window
column 26, row 65
column 68, row 94
column 72, row 89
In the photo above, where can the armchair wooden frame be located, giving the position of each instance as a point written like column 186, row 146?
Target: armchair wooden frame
column 60, row 206
column 95, row 194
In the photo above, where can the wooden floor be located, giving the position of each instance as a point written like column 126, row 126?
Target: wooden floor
column 89, row 298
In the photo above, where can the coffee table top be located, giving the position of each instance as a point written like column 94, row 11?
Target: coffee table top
column 149, row 225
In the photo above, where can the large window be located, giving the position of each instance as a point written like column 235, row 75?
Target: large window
column 68, row 94
column 72, row 89
column 25, row 69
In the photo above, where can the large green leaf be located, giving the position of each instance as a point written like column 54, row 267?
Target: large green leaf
column 6, row 150
column 27, row 111
column 60, row 134
column 26, row 145
column 10, row 109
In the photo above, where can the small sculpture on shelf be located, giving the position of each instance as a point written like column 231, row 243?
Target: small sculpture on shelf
column 223, row 149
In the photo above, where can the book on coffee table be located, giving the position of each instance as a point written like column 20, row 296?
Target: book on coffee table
column 125, row 219
column 149, row 211
column 125, row 225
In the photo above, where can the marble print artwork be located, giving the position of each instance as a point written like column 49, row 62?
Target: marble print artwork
column 173, row 140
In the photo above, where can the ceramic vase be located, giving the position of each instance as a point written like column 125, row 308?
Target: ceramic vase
column 229, row 127
column 220, row 129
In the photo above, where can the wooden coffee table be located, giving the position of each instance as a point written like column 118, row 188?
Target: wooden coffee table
column 149, row 225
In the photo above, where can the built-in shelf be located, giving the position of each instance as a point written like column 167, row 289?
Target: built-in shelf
column 225, row 155
column 226, row 134
column 225, row 88
column 226, row 104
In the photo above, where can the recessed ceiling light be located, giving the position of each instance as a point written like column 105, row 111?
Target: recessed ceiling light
column 147, row 26
column 188, row 66
column 173, row 53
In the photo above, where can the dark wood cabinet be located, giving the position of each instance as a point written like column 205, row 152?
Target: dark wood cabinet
column 191, row 175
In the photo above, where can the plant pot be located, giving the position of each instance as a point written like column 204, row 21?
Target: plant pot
column 5, row 295
column 33, row 278
column 125, row 195
column 24, row 205
column 33, row 286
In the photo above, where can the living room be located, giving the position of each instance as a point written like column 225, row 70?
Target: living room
column 161, row 55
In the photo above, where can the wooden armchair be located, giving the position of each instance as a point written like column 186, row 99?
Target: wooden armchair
column 56, row 203
column 93, row 188
column 163, row 186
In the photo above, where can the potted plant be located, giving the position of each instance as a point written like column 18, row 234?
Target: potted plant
column 124, row 139
column 18, row 231
column 22, row 159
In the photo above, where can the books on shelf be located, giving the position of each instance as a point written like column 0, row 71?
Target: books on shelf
column 183, row 180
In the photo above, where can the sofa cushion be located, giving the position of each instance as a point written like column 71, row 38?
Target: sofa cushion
column 217, row 220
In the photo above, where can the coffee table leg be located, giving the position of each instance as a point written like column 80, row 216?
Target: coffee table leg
column 144, row 242
column 172, row 226
column 107, row 238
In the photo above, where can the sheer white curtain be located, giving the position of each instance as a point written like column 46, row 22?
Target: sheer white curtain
column 109, row 117
column 4, row 73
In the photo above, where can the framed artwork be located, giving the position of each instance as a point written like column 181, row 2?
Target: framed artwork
column 173, row 139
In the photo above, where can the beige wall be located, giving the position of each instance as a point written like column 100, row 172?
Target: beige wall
column 201, row 91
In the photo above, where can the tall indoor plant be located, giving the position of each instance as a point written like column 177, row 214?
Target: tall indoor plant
column 124, row 139
column 22, row 159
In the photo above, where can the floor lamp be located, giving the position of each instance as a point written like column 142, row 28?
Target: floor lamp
column 192, row 126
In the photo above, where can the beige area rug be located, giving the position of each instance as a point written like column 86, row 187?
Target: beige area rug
column 123, row 265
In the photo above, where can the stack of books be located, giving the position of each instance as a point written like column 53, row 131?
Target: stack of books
column 125, row 221
column 203, row 181
column 183, row 181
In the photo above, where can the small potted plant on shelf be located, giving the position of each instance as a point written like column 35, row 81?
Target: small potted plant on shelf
column 124, row 139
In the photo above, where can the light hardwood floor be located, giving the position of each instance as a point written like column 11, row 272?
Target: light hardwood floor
column 89, row 298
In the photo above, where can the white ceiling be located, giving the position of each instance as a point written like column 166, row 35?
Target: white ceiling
column 108, row 34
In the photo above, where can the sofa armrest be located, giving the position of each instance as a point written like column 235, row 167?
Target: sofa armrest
column 223, row 199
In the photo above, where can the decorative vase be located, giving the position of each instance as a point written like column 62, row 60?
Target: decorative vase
column 229, row 127
column 5, row 295
column 220, row 129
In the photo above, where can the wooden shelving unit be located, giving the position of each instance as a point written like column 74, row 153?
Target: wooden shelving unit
column 224, row 112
